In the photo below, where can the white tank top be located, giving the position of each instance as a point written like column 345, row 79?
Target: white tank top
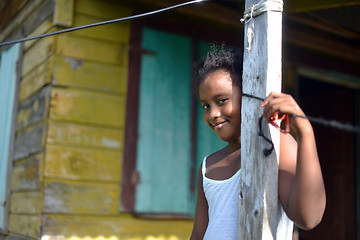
column 223, row 201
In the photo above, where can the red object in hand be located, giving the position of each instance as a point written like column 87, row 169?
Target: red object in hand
column 276, row 122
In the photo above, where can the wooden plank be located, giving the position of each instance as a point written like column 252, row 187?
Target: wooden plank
column 80, row 197
column 333, row 77
column 25, row 203
column 27, row 20
column 95, row 50
column 44, row 27
column 85, row 136
column 87, row 107
column 11, row 236
column 64, row 11
column 101, row 9
column 25, row 225
column 26, row 173
column 31, row 141
column 82, row 164
column 120, row 227
column 116, row 32
column 309, row 5
column 259, row 208
column 72, row 72
column 35, row 80
column 131, row 132
column 38, row 54
column 10, row 10
column 324, row 44
column 35, row 109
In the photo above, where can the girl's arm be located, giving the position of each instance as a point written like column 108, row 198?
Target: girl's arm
column 201, row 211
column 301, row 186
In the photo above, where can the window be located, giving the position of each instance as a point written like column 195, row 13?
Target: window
column 7, row 98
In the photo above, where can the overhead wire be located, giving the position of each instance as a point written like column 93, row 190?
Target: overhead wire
column 99, row 23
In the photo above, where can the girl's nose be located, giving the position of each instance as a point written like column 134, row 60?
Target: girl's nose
column 214, row 112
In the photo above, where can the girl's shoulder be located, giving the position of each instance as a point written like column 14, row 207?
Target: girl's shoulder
column 216, row 156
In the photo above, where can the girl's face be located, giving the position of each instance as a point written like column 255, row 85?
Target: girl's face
column 221, row 101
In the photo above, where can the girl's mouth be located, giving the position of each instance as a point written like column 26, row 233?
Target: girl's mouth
column 219, row 125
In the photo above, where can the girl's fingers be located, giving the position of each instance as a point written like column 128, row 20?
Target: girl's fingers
column 281, row 103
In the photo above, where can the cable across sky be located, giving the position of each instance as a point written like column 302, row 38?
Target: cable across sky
column 100, row 23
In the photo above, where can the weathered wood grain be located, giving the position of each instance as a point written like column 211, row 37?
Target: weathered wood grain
column 37, row 54
column 82, row 164
column 12, row 236
column 80, row 197
column 35, row 80
column 35, row 109
column 43, row 27
column 73, row 72
column 10, row 10
column 120, row 227
column 30, row 141
column 26, row 225
column 101, row 9
column 259, row 208
column 64, row 11
column 85, row 136
column 26, row 173
column 83, row 48
column 26, row 203
column 87, row 107
column 116, row 32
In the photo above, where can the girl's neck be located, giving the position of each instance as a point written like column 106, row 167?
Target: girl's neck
column 233, row 146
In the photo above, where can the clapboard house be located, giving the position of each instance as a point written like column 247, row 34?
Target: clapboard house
column 101, row 136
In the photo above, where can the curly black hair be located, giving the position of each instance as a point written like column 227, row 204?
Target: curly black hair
column 229, row 60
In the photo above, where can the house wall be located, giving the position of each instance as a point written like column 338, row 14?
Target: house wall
column 67, row 167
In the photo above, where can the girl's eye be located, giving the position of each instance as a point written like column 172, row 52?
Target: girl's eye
column 222, row 101
column 205, row 106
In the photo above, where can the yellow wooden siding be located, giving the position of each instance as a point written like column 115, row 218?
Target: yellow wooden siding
column 26, row 173
column 123, row 227
column 115, row 32
column 94, row 50
column 44, row 27
column 102, row 9
column 26, row 203
column 76, row 197
column 87, row 107
column 35, row 80
column 68, row 184
column 85, row 136
column 83, row 164
column 37, row 54
column 63, row 15
column 81, row 73
column 25, row 225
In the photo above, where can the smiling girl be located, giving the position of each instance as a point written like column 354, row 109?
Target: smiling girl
column 301, row 188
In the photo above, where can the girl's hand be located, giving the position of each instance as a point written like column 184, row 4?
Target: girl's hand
column 282, row 103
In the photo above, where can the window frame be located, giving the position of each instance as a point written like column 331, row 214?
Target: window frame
column 18, row 67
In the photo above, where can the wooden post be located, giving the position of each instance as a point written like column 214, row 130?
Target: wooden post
column 259, row 206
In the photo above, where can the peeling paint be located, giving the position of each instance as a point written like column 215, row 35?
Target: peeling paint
column 110, row 143
column 75, row 63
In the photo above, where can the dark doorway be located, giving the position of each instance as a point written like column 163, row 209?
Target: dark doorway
column 336, row 151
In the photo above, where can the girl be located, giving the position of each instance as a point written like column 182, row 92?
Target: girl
column 301, row 188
